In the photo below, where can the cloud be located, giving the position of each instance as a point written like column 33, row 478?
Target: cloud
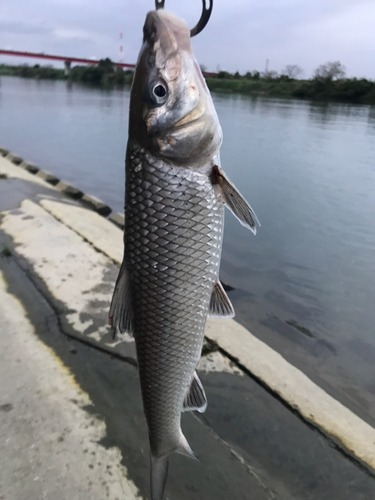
column 22, row 28
column 241, row 34
column 72, row 34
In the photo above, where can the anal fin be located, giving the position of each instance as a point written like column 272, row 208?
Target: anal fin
column 195, row 398
column 220, row 305
column 234, row 200
column 121, row 310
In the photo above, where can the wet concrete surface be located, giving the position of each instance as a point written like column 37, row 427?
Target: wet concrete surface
column 251, row 446
column 113, row 387
column 13, row 191
column 294, row 460
column 318, row 358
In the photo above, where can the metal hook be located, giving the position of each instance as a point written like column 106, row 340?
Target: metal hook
column 205, row 17
column 206, row 14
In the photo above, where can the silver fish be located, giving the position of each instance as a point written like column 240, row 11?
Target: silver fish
column 174, row 214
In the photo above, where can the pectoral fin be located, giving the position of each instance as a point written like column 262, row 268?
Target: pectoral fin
column 195, row 398
column 234, row 200
column 220, row 305
column 121, row 310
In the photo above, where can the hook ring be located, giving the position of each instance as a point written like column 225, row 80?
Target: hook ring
column 205, row 17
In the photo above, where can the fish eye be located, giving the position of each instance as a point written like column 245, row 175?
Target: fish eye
column 158, row 93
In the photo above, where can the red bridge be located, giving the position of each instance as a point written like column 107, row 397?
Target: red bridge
column 69, row 60
column 66, row 60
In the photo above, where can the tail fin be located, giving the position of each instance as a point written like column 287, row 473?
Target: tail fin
column 159, row 468
column 159, row 471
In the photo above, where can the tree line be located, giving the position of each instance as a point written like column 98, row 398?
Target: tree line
column 328, row 82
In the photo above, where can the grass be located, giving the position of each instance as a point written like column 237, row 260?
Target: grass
column 5, row 252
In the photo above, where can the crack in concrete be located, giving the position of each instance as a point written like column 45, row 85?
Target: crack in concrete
column 338, row 446
column 58, row 314
column 55, row 319
column 252, row 471
column 209, row 347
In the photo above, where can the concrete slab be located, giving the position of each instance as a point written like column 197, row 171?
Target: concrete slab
column 69, row 189
column 113, row 388
column 10, row 170
column 49, row 444
column 60, row 261
column 294, row 461
column 251, row 446
column 13, row 191
column 48, row 177
column 294, row 387
column 117, row 219
column 29, row 166
column 79, row 278
column 97, row 204
column 17, row 160
column 92, row 227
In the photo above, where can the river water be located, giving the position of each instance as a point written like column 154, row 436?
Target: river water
column 306, row 283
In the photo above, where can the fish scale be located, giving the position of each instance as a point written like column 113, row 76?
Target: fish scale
column 172, row 273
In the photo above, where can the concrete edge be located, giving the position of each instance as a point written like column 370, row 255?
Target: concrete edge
column 29, row 166
column 354, row 436
column 97, row 204
column 91, row 201
column 15, row 159
column 3, row 151
column 70, row 190
column 117, row 219
column 48, row 177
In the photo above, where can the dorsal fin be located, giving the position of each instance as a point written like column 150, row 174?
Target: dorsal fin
column 234, row 200
column 220, row 305
column 195, row 398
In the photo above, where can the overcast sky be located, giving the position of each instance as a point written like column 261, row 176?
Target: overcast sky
column 241, row 34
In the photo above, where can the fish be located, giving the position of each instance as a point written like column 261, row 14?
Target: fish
column 175, row 193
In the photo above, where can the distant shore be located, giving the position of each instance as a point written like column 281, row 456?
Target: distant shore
column 346, row 90
column 353, row 90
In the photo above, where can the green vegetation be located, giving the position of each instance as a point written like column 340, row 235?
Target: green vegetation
column 37, row 71
column 104, row 73
column 3, row 176
column 328, row 82
column 5, row 252
column 345, row 90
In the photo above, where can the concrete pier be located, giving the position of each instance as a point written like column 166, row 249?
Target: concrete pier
column 71, row 420
column 67, row 67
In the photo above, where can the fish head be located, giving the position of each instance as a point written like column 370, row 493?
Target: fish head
column 171, row 112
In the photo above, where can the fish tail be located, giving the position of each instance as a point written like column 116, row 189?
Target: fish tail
column 159, row 468
column 159, row 471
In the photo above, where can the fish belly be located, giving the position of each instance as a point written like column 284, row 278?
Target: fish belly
column 173, row 239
